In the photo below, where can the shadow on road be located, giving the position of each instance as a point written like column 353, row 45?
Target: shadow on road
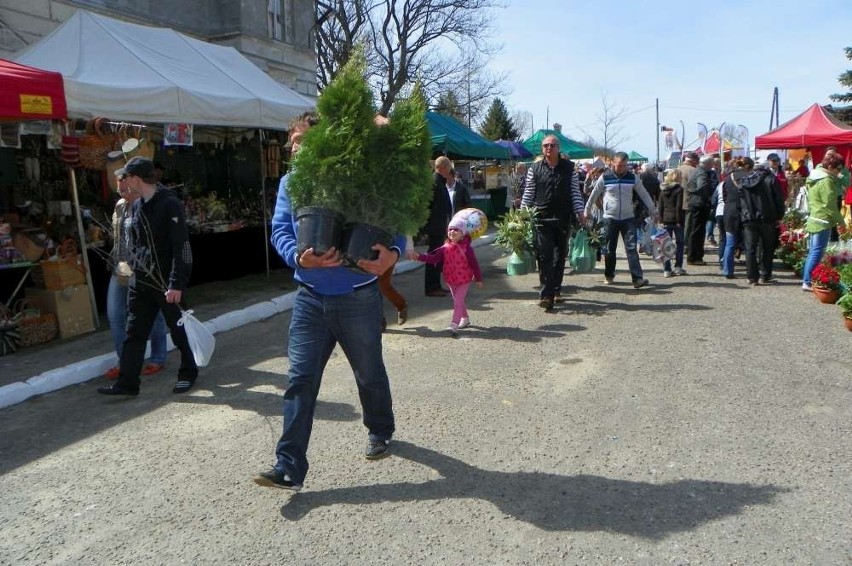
column 512, row 333
column 554, row 502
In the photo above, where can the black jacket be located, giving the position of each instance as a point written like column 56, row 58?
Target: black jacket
column 440, row 210
column 461, row 197
column 760, row 197
column 700, row 189
column 160, row 241
column 670, row 205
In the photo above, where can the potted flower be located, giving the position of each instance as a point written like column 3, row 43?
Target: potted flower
column 514, row 234
column 375, row 177
column 845, row 304
column 825, row 283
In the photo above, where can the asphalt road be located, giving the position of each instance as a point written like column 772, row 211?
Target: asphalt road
column 697, row 421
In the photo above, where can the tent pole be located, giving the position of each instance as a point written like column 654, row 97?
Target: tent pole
column 83, row 250
column 263, row 196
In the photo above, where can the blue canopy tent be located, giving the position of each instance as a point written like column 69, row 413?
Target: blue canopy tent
column 516, row 149
column 451, row 138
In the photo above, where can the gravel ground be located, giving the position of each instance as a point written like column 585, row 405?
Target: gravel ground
column 697, row 421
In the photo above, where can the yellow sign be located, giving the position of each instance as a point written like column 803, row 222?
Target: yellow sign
column 36, row 104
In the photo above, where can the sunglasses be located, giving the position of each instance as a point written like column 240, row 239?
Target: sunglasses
column 550, row 145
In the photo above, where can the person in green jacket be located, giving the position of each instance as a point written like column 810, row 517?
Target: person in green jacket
column 823, row 214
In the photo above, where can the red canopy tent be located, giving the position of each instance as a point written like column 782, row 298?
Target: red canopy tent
column 813, row 129
column 27, row 93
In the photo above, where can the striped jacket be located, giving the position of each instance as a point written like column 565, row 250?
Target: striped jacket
column 618, row 195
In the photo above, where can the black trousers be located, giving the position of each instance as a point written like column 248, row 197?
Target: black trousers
column 143, row 304
column 551, row 241
column 432, row 277
column 695, row 239
column 760, row 239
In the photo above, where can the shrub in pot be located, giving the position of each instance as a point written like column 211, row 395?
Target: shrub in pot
column 377, row 178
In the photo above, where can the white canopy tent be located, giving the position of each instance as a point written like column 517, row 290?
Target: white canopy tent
column 144, row 74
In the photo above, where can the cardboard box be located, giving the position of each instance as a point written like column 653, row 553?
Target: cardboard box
column 71, row 305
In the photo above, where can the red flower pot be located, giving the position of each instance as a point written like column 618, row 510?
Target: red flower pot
column 828, row 296
column 848, row 323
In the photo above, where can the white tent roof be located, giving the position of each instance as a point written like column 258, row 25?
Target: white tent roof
column 143, row 74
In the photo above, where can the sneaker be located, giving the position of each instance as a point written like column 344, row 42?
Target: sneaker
column 679, row 271
column 546, row 303
column 376, row 449
column 668, row 274
column 753, row 283
column 151, row 369
column 766, row 280
column 402, row 315
column 112, row 373
column 464, row 323
column 274, row 478
column 639, row 284
column 453, row 328
column 608, row 280
column 806, row 287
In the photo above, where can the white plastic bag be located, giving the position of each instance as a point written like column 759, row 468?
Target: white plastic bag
column 201, row 340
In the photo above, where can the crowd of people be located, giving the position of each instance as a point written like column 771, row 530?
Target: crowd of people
column 337, row 306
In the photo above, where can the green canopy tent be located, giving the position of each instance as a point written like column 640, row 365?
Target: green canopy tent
column 574, row 149
column 636, row 157
column 451, row 138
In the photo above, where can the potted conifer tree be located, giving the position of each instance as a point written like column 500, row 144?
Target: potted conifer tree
column 375, row 177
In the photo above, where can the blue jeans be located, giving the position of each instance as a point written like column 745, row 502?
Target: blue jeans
column 317, row 324
column 817, row 242
column 116, row 306
column 727, row 268
column 676, row 232
column 627, row 230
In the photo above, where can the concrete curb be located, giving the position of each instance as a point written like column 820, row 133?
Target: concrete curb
column 91, row 368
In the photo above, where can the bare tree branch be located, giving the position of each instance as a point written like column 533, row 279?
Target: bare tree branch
column 443, row 43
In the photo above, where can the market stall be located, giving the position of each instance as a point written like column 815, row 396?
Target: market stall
column 573, row 149
column 814, row 130
column 213, row 119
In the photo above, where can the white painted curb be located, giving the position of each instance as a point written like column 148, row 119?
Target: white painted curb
column 91, row 368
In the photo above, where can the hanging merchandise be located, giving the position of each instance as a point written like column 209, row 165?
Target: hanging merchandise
column 95, row 145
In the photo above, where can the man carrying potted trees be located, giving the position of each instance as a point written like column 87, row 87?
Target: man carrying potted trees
column 337, row 304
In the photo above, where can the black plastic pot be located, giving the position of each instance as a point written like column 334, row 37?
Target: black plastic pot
column 357, row 241
column 318, row 228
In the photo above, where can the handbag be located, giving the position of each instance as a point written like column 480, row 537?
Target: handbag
column 35, row 327
column 95, row 145
column 582, row 258
column 201, row 340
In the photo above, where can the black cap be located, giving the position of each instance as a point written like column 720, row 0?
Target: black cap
column 141, row 167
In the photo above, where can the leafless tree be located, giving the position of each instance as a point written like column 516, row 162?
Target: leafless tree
column 523, row 123
column 609, row 121
column 445, row 44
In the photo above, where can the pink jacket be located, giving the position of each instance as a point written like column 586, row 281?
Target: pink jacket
column 460, row 264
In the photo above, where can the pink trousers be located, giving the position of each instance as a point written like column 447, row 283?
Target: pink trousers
column 459, row 293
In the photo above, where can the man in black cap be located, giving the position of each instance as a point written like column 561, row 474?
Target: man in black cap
column 161, row 264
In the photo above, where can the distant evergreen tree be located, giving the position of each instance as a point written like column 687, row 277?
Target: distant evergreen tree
column 497, row 124
column 844, row 112
column 448, row 105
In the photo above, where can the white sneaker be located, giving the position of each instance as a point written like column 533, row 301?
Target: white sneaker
column 668, row 274
column 806, row 287
column 464, row 322
column 679, row 271
column 453, row 328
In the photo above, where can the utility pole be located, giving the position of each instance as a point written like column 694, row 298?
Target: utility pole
column 657, row 133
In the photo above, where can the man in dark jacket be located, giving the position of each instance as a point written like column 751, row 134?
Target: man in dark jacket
column 161, row 263
column 761, row 209
column 698, row 193
column 552, row 189
column 440, row 213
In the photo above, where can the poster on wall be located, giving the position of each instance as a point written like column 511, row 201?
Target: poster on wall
column 177, row 134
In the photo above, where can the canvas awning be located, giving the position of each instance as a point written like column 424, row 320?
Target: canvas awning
column 451, row 138
column 27, row 93
column 636, row 157
column 516, row 149
column 812, row 128
column 573, row 149
column 143, row 74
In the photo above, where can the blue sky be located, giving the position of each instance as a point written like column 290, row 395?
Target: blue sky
column 708, row 62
